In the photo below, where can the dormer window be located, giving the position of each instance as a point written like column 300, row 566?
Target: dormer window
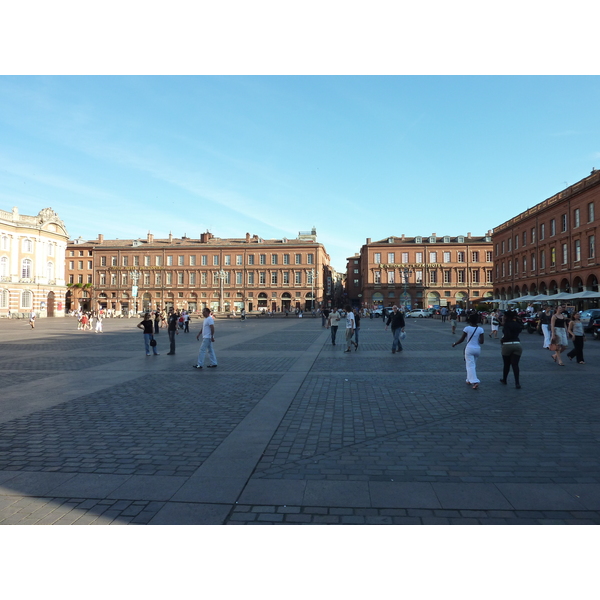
column 432, row 240
column 460, row 239
column 418, row 240
column 446, row 240
column 390, row 240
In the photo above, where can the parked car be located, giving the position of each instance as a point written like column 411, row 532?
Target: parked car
column 381, row 311
column 595, row 328
column 587, row 316
column 420, row 313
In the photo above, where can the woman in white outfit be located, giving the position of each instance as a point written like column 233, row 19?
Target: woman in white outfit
column 474, row 336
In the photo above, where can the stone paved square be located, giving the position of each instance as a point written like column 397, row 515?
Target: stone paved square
column 290, row 429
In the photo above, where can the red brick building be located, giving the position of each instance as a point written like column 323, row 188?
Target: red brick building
column 190, row 274
column 550, row 248
column 422, row 271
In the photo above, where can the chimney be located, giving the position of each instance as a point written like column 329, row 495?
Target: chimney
column 100, row 238
column 368, row 240
column 402, row 238
column 469, row 234
column 150, row 238
column 170, row 238
column 247, row 238
column 434, row 235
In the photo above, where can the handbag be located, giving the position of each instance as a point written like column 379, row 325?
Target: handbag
column 554, row 344
column 153, row 342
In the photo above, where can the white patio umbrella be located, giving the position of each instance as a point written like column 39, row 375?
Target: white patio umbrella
column 561, row 296
column 586, row 294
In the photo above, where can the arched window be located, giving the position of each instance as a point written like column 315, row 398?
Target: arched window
column 27, row 245
column 50, row 271
column 4, row 243
column 26, row 299
column 4, row 266
column 26, row 267
column 3, row 298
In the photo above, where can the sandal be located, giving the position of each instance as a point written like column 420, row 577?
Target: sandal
column 475, row 386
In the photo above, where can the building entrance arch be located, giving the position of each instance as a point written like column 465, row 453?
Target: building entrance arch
column 262, row 300
column 50, row 304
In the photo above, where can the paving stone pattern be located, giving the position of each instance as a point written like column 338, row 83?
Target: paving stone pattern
column 288, row 415
column 155, row 424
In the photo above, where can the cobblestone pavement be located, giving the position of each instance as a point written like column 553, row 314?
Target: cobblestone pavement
column 290, row 429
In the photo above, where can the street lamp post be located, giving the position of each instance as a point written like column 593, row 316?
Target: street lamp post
column 135, row 275
column 221, row 275
column 406, row 273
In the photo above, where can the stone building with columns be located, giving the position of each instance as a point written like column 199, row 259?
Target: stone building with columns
column 32, row 263
column 223, row 274
column 422, row 271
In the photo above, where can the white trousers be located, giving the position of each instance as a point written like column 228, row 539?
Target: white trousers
column 547, row 335
column 471, row 356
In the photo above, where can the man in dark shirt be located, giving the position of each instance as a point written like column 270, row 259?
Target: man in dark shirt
column 396, row 318
column 172, row 320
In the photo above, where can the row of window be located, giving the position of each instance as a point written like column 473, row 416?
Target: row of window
column 275, row 278
column 552, row 258
column 204, row 260
column 433, row 239
column 551, row 231
column 461, row 277
column 433, row 257
column 26, row 245
column 26, row 299
column 26, row 268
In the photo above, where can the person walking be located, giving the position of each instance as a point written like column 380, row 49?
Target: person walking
column 511, row 347
column 577, row 334
column 147, row 326
column 32, row 319
column 495, row 324
column 186, row 322
column 558, row 329
column 333, row 323
column 156, row 321
column 172, row 321
column 350, row 326
column 475, row 337
column 453, row 318
column 208, row 338
column 396, row 319
column 356, row 327
column 444, row 313
column 99, row 323
column 545, row 319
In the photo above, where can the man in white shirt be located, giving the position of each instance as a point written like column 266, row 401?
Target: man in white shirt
column 350, row 324
column 208, row 337
column 333, row 322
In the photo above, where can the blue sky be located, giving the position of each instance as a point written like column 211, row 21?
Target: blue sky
column 354, row 156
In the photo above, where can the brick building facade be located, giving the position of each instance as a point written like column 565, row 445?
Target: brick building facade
column 550, row 248
column 190, row 274
column 422, row 271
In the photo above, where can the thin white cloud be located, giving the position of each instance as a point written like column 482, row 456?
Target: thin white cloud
column 30, row 172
